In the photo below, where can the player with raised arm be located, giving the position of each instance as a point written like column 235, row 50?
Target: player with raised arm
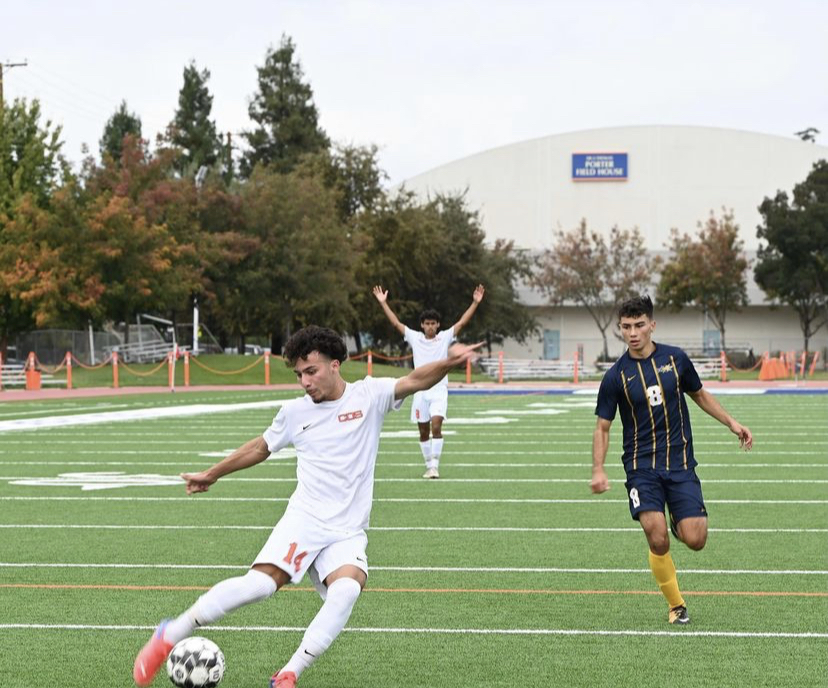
column 335, row 429
column 428, row 408
column 647, row 386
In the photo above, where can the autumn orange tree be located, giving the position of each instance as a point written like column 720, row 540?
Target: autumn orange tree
column 597, row 273
column 707, row 271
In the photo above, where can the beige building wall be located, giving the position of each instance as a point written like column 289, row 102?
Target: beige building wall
column 676, row 176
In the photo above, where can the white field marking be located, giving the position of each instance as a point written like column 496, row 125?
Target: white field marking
column 453, row 481
column 132, row 415
column 574, row 403
column 382, row 452
column 40, row 412
column 283, row 457
column 102, row 481
column 407, row 434
column 420, row 529
column 494, row 420
column 494, row 413
column 438, row 631
column 427, row 569
column 397, row 500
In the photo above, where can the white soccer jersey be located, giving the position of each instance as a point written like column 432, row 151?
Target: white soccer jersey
column 336, row 448
column 430, row 350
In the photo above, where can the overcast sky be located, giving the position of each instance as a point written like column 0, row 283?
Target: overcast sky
column 431, row 81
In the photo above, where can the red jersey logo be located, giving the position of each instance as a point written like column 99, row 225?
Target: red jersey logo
column 351, row 415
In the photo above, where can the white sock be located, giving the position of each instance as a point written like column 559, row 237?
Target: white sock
column 219, row 600
column 436, row 450
column 326, row 625
column 425, row 448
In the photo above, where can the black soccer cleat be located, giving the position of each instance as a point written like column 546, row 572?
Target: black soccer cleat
column 678, row 615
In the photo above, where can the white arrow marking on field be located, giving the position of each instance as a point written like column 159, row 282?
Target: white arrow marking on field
column 101, row 481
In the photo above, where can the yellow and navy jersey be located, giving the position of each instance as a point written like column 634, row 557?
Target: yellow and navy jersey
column 649, row 393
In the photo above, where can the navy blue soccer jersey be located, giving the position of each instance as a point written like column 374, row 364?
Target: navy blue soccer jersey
column 649, row 393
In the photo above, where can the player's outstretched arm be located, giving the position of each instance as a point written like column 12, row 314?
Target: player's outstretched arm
column 382, row 297
column 477, row 297
column 249, row 454
column 600, row 444
column 425, row 377
column 710, row 405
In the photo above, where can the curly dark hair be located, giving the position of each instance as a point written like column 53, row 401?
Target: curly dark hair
column 313, row 338
column 637, row 305
column 429, row 314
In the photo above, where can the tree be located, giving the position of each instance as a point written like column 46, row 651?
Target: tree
column 284, row 111
column 302, row 271
column 432, row 255
column 31, row 168
column 583, row 268
column 30, row 158
column 792, row 265
column 45, row 263
column 142, row 233
column 808, row 134
column 117, row 127
column 353, row 172
column 191, row 129
column 707, row 272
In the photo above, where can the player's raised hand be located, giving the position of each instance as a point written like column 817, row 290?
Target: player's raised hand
column 197, row 482
column 381, row 296
column 478, row 293
column 744, row 434
column 600, row 481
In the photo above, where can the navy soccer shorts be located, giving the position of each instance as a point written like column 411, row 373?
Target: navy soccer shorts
column 650, row 490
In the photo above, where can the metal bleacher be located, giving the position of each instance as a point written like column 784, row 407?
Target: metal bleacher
column 564, row 369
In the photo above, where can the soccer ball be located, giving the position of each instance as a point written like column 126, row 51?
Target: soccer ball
column 196, row 663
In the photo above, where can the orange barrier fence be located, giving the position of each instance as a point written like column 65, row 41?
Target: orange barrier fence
column 786, row 365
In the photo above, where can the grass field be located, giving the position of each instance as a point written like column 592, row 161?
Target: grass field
column 505, row 572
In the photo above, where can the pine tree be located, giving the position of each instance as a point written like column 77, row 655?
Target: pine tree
column 288, row 122
column 123, row 122
column 191, row 128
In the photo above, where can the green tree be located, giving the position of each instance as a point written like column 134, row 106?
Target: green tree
column 122, row 123
column 707, row 271
column 283, row 109
column 192, row 130
column 30, row 157
column 353, row 172
column 432, row 255
column 792, row 264
column 584, row 268
column 302, row 271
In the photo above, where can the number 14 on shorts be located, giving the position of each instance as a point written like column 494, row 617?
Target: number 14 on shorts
column 295, row 560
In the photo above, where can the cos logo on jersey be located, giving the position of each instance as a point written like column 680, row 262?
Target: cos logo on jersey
column 351, row 415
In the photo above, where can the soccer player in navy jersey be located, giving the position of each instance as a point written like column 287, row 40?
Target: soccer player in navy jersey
column 647, row 386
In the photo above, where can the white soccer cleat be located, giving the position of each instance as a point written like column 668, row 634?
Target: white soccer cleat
column 431, row 473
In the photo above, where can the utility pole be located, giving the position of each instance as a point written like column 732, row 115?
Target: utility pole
column 8, row 65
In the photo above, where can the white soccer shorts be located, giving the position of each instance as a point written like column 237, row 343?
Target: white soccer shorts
column 432, row 402
column 298, row 545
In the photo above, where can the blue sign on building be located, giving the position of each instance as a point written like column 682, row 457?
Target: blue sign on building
column 599, row 167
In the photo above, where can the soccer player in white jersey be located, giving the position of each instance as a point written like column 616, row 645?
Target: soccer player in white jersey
column 335, row 429
column 428, row 408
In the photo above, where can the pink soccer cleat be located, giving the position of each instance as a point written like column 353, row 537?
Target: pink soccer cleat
column 284, row 679
column 151, row 657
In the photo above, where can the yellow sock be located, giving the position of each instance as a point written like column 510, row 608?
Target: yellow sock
column 665, row 574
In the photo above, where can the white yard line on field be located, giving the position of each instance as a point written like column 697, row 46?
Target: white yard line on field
column 373, row 529
column 439, row 631
column 426, row 569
